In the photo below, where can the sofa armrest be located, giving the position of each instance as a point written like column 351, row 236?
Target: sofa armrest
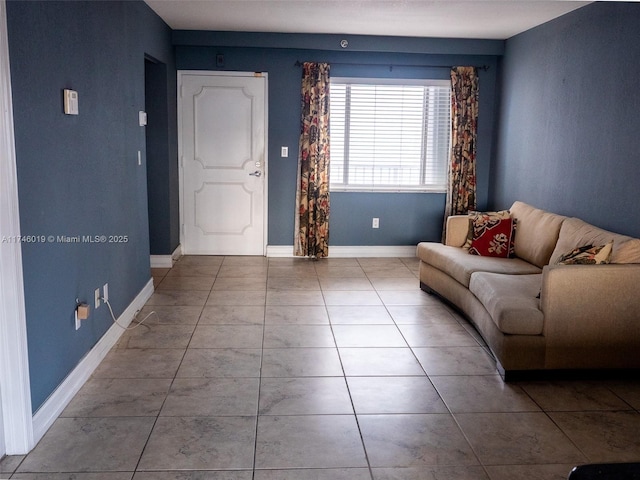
column 590, row 310
column 457, row 230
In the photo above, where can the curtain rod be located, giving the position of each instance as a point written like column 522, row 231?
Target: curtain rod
column 448, row 67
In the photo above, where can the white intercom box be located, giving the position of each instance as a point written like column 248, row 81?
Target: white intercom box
column 70, row 102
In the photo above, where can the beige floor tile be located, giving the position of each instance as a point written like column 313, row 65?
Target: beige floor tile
column 237, row 297
column 314, row 474
column 73, row 476
column 420, row 314
column 296, row 315
column 301, row 362
column 200, row 260
column 90, row 445
column 160, row 272
column 351, row 297
column 245, row 261
column 9, row 464
column 482, row 393
column 305, row 284
column 240, row 283
column 456, row 361
column 345, row 283
column 379, row 362
column 227, row 336
column 438, row 335
column 391, row 270
column 195, row 475
column 379, row 395
column 627, row 390
column 529, row 472
column 157, row 336
column 297, row 271
column 359, row 314
column 284, row 336
column 414, row 441
column 186, row 283
column 305, row 396
column 200, row 443
column 119, row 397
column 232, row 315
column 603, row 436
column 220, row 362
column 517, row 439
column 140, row 363
column 249, row 271
column 170, row 315
column 294, row 297
column 391, row 283
column 339, row 271
column 210, row 397
column 574, row 396
column 368, row 336
column 430, row 473
column 405, row 297
column 178, row 297
column 308, row 441
column 189, row 270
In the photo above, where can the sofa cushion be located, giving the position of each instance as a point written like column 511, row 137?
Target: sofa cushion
column 537, row 233
column 627, row 252
column 511, row 300
column 576, row 233
column 460, row 265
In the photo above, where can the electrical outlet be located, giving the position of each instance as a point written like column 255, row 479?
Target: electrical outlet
column 375, row 223
column 97, row 298
column 105, row 292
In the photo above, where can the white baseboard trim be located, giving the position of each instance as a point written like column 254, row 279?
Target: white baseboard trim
column 166, row 261
column 60, row 398
column 351, row 251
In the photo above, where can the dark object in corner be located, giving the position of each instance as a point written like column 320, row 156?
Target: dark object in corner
column 606, row 471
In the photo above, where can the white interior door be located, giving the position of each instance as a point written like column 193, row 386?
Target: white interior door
column 222, row 148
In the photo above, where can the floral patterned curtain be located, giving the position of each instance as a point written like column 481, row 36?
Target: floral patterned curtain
column 312, row 199
column 461, row 191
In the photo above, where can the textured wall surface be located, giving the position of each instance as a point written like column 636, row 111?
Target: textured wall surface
column 568, row 128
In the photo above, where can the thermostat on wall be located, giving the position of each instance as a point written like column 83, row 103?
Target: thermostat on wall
column 70, row 102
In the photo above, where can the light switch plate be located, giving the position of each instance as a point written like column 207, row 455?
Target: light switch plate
column 284, row 152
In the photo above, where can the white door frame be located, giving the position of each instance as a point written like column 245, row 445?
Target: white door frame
column 15, row 395
column 182, row 73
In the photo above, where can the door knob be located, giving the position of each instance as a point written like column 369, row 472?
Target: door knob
column 257, row 173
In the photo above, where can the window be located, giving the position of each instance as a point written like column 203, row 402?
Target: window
column 389, row 134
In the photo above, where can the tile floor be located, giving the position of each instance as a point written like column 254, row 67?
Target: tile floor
column 282, row 369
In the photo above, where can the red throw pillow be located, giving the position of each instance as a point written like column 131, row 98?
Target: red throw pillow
column 493, row 238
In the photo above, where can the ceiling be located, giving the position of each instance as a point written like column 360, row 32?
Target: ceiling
column 480, row 19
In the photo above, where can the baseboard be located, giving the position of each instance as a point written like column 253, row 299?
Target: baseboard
column 166, row 261
column 351, row 251
column 60, row 398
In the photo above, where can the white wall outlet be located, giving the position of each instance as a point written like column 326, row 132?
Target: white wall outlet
column 97, row 298
column 375, row 223
column 284, row 152
column 105, row 292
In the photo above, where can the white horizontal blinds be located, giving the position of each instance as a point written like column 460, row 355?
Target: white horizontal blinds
column 393, row 136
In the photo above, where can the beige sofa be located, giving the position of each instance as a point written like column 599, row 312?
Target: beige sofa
column 535, row 315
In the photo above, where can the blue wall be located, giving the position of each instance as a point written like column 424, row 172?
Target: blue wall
column 568, row 135
column 405, row 218
column 78, row 175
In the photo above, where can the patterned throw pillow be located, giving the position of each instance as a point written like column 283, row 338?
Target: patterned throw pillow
column 481, row 217
column 587, row 255
column 493, row 237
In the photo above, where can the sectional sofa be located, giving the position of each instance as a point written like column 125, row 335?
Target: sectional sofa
column 535, row 314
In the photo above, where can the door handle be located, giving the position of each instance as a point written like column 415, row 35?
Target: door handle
column 257, row 173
